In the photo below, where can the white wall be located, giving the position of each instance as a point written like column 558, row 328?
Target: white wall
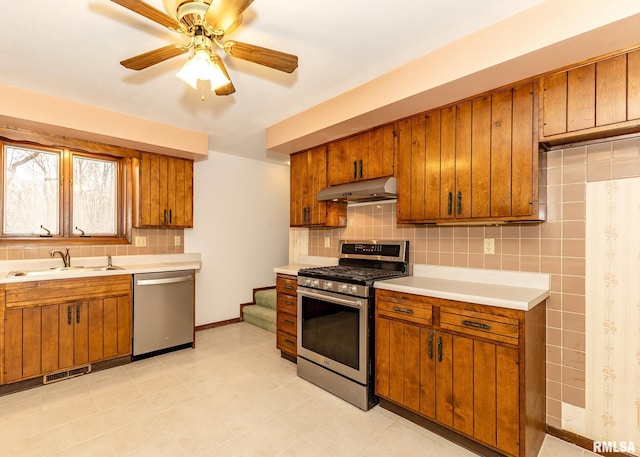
column 241, row 229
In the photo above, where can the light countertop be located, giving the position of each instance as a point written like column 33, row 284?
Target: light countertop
column 305, row 261
column 505, row 289
column 130, row 265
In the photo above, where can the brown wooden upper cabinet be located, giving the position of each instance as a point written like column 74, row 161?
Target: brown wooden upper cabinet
column 598, row 99
column 476, row 160
column 367, row 155
column 165, row 192
column 308, row 177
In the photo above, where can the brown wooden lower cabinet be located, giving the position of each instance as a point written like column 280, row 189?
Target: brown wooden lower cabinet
column 287, row 320
column 55, row 325
column 477, row 370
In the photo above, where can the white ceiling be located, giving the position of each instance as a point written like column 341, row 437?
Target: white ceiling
column 71, row 49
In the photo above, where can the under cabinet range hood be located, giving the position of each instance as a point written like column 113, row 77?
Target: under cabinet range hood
column 361, row 191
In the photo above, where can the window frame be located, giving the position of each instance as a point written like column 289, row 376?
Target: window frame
column 123, row 175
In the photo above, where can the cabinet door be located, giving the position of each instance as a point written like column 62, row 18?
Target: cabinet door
column 463, row 177
column 496, row 400
column 448, row 163
column 299, row 189
column 581, row 98
column 166, row 191
column 317, row 163
column 611, row 90
column 109, row 328
column 397, row 362
column 453, row 381
column 404, row 172
column 501, row 128
column 523, row 148
column 379, row 161
column 554, row 104
column 342, row 157
column 155, row 178
column 633, row 85
column 481, row 157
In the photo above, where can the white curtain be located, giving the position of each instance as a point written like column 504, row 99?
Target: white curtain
column 613, row 311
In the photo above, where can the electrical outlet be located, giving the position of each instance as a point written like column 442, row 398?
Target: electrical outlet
column 489, row 246
column 327, row 241
column 176, row 240
column 141, row 241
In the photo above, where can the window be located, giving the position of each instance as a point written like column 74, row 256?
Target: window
column 31, row 191
column 95, row 196
column 61, row 193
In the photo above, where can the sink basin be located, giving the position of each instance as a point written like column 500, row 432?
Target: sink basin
column 54, row 270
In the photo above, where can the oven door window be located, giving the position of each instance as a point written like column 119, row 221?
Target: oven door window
column 331, row 330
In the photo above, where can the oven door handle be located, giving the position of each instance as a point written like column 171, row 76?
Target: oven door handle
column 340, row 301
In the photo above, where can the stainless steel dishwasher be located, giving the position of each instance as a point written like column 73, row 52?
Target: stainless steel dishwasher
column 163, row 312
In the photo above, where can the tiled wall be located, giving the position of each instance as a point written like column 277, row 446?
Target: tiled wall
column 556, row 246
column 159, row 241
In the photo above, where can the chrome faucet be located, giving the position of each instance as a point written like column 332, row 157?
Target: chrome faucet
column 66, row 258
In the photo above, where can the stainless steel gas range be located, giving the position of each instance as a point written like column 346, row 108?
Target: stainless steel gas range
column 336, row 308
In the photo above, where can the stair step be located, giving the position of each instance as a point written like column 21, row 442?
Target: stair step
column 266, row 298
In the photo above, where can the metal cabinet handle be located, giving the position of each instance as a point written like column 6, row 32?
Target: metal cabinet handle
column 289, row 302
column 288, row 322
column 170, row 216
column 288, row 287
column 360, row 168
column 476, row 325
column 402, row 310
column 430, row 346
column 69, row 315
column 449, row 203
column 439, row 349
column 288, row 341
column 355, row 169
column 459, row 202
column 78, row 308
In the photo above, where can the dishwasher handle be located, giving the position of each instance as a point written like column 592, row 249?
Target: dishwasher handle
column 153, row 282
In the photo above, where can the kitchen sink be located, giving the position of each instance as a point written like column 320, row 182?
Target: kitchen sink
column 54, row 270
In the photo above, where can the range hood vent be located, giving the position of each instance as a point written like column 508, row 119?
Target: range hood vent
column 361, row 191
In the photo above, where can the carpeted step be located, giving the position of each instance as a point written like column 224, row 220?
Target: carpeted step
column 261, row 316
column 266, row 298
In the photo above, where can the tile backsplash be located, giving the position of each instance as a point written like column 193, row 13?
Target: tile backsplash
column 158, row 241
column 556, row 246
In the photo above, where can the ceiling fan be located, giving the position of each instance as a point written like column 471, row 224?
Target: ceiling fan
column 206, row 23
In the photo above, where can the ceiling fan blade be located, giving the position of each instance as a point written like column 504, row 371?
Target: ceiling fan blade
column 147, row 59
column 263, row 56
column 148, row 11
column 223, row 13
column 227, row 89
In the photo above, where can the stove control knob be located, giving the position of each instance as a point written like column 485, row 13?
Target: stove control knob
column 343, row 288
column 315, row 283
column 307, row 282
column 328, row 285
column 353, row 289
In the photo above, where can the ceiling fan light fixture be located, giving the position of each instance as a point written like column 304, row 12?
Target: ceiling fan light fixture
column 202, row 65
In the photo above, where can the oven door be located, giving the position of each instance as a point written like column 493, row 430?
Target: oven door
column 332, row 332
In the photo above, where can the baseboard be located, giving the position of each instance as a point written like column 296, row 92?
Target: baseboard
column 217, row 324
column 581, row 441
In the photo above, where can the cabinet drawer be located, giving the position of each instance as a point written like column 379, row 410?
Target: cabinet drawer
column 55, row 291
column 494, row 327
column 403, row 308
column 287, row 343
column 287, row 304
column 287, row 323
column 287, row 285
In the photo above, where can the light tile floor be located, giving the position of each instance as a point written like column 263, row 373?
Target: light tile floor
column 232, row 396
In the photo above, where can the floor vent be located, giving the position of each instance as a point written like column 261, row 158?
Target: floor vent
column 72, row 373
